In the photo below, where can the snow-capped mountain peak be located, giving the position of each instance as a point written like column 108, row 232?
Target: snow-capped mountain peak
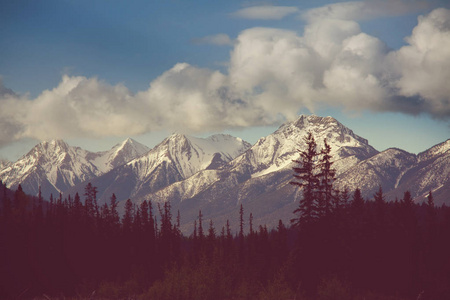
column 278, row 150
column 190, row 154
column 176, row 158
column 119, row 154
column 56, row 166
column 323, row 127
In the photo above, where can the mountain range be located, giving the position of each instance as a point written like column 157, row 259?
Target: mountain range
column 55, row 166
column 218, row 173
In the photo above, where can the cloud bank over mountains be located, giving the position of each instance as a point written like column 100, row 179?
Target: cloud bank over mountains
column 271, row 74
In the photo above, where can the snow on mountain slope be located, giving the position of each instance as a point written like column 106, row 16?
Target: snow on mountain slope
column 189, row 154
column 435, row 151
column 56, row 166
column 383, row 169
column 262, row 170
column 176, row 158
column 55, row 161
column 276, row 151
column 4, row 164
column 120, row 154
column 430, row 173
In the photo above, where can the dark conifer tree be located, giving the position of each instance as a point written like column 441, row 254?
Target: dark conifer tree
column 90, row 202
column 152, row 222
column 305, row 175
column 250, row 223
column 115, row 219
column 127, row 221
column 228, row 230
column 326, row 177
column 357, row 201
column 178, row 220
column 105, row 213
column 200, row 225
column 241, row 222
column 344, row 198
column 430, row 206
column 7, row 206
column 407, row 200
column 211, row 231
column 144, row 215
column 194, row 234
column 211, row 237
column 39, row 213
column 380, row 205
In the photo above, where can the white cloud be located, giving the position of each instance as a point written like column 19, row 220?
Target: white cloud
column 334, row 63
column 266, row 12
column 422, row 68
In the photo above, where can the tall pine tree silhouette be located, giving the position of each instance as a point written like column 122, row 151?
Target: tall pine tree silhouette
column 305, row 175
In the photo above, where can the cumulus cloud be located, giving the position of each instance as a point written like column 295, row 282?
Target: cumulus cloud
column 422, row 68
column 334, row 63
column 78, row 106
column 217, row 39
column 265, row 12
column 272, row 73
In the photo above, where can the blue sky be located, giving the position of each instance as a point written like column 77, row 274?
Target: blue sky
column 95, row 72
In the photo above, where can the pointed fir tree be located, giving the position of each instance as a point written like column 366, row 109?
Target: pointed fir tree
column 127, row 221
column 114, row 214
column 305, row 178
column 326, row 178
column 430, row 200
column 200, row 225
column 90, row 202
column 250, row 223
column 357, row 203
column 407, row 200
column 241, row 222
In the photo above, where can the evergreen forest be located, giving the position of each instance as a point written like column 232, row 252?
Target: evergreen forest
column 338, row 245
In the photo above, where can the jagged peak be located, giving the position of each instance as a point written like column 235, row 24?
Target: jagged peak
column 127, row 142
column 122, row 153
column 54, row 142
column 305, row 120
column 54, row 146
column 319, row 126
column 176, row 137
